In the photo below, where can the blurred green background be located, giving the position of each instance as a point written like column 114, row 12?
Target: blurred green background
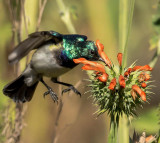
column 97, row 20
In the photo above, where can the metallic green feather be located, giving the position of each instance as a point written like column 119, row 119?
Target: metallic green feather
column 78, row 48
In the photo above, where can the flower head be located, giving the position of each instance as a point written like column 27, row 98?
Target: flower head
column 117, row 90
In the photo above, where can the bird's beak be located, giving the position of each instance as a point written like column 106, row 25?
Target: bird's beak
column 100, row 59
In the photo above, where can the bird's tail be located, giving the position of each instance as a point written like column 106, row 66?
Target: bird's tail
column 19, row 91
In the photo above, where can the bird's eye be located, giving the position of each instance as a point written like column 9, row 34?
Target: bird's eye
column 92, row 52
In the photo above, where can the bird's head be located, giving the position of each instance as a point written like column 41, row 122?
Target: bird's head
column 89, row 51
column 77, row 46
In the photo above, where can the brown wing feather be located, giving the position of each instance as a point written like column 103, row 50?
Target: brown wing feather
column 34, row 41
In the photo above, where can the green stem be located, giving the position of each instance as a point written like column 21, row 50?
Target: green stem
column 123, row 132
column 155, row 57
column 126, row 9
column 123, row 17
column 112, row 137
column 65, row 16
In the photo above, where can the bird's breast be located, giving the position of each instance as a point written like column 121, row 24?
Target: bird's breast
column 45, row 61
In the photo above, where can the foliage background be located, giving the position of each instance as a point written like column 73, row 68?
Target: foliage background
column 97, row 20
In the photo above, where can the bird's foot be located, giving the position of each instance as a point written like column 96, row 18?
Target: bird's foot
column 52, row 94
column 73, row 89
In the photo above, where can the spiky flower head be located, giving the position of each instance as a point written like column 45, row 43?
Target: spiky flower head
column 117, row 91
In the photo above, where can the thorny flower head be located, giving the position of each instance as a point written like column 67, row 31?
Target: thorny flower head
column 117, row 91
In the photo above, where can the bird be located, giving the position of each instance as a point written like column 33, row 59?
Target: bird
column 53, row 56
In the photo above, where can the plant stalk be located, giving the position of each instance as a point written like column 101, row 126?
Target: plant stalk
column 66, row 17
column 126, row 9
column 112, row 138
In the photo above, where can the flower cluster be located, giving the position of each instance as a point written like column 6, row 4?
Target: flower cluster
column 114, row 89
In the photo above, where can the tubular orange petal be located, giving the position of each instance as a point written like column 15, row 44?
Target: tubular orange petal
column 127, row 73
column 102, row 53
column 89, row 67
column 119, row 57
column 142, row 68
column 106, row 59
column 104, row 77
column 122, row 81
column 143, row 85
column 139, row 91
column 81, row 60
column 112, row 84
column 143, row 96
column 84, row 61
column 99, row 45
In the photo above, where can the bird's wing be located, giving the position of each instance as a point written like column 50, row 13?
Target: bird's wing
column 34, row 41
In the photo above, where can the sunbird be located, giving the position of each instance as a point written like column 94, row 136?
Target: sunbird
column 53, row 56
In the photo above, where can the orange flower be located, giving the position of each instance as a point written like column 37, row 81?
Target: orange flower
column 143, row 85
column 147, row 76
column 142, row 68
column 104, row 77
column 139, row 91
column 99, row 46
column 112, row 84
column 89, row 67
column 127, row 73
column 122, row 81
column 143, row 77
column 119, row 57
column 102, row 53
column 143, row 96
column 86, row 62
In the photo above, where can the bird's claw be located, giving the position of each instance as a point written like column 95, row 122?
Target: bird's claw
column 71, row 88
column 52, row 94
